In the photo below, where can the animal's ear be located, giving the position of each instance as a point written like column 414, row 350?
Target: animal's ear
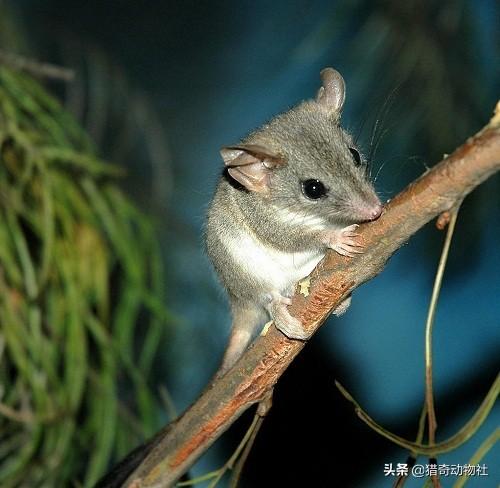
column 331, row 95
column 251, row 165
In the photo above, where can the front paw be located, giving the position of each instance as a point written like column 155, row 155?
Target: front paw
column 343, row 241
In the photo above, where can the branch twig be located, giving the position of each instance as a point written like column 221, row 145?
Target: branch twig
column 36, row 68
column 451, row 217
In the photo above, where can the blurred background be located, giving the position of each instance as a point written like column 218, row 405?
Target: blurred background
column 160, row 86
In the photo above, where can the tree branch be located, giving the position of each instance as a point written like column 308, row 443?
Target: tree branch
column 436, row 191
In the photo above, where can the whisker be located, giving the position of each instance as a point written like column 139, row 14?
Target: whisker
column 382, row 113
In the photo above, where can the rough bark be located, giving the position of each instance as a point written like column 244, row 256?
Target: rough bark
column 436, row 191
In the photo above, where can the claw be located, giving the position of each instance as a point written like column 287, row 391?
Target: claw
column 352, row 242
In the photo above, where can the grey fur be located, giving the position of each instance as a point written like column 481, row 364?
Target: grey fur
column 314, row 146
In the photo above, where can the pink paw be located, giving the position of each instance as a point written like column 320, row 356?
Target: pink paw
column 342, row 308
column 284, row 322
column 344, row 241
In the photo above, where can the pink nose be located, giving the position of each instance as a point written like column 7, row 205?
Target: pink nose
column 375, row 212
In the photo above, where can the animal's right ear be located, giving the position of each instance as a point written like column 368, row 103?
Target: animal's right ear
column 251, row 165
column 331, row 95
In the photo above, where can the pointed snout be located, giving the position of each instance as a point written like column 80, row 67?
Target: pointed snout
column 364, row 209
column 375, row 212
column 370, row 212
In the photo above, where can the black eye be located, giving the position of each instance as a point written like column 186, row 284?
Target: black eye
column 355, row 155
column 313, row 189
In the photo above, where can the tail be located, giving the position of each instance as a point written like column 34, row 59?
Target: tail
column 246, row 321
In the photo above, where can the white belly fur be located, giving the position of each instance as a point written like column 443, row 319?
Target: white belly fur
column 277, row 270
column 303, row 220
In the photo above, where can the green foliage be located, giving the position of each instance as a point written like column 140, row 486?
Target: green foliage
column 81, row 311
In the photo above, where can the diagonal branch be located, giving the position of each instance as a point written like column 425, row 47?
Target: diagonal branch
column 175, row 448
